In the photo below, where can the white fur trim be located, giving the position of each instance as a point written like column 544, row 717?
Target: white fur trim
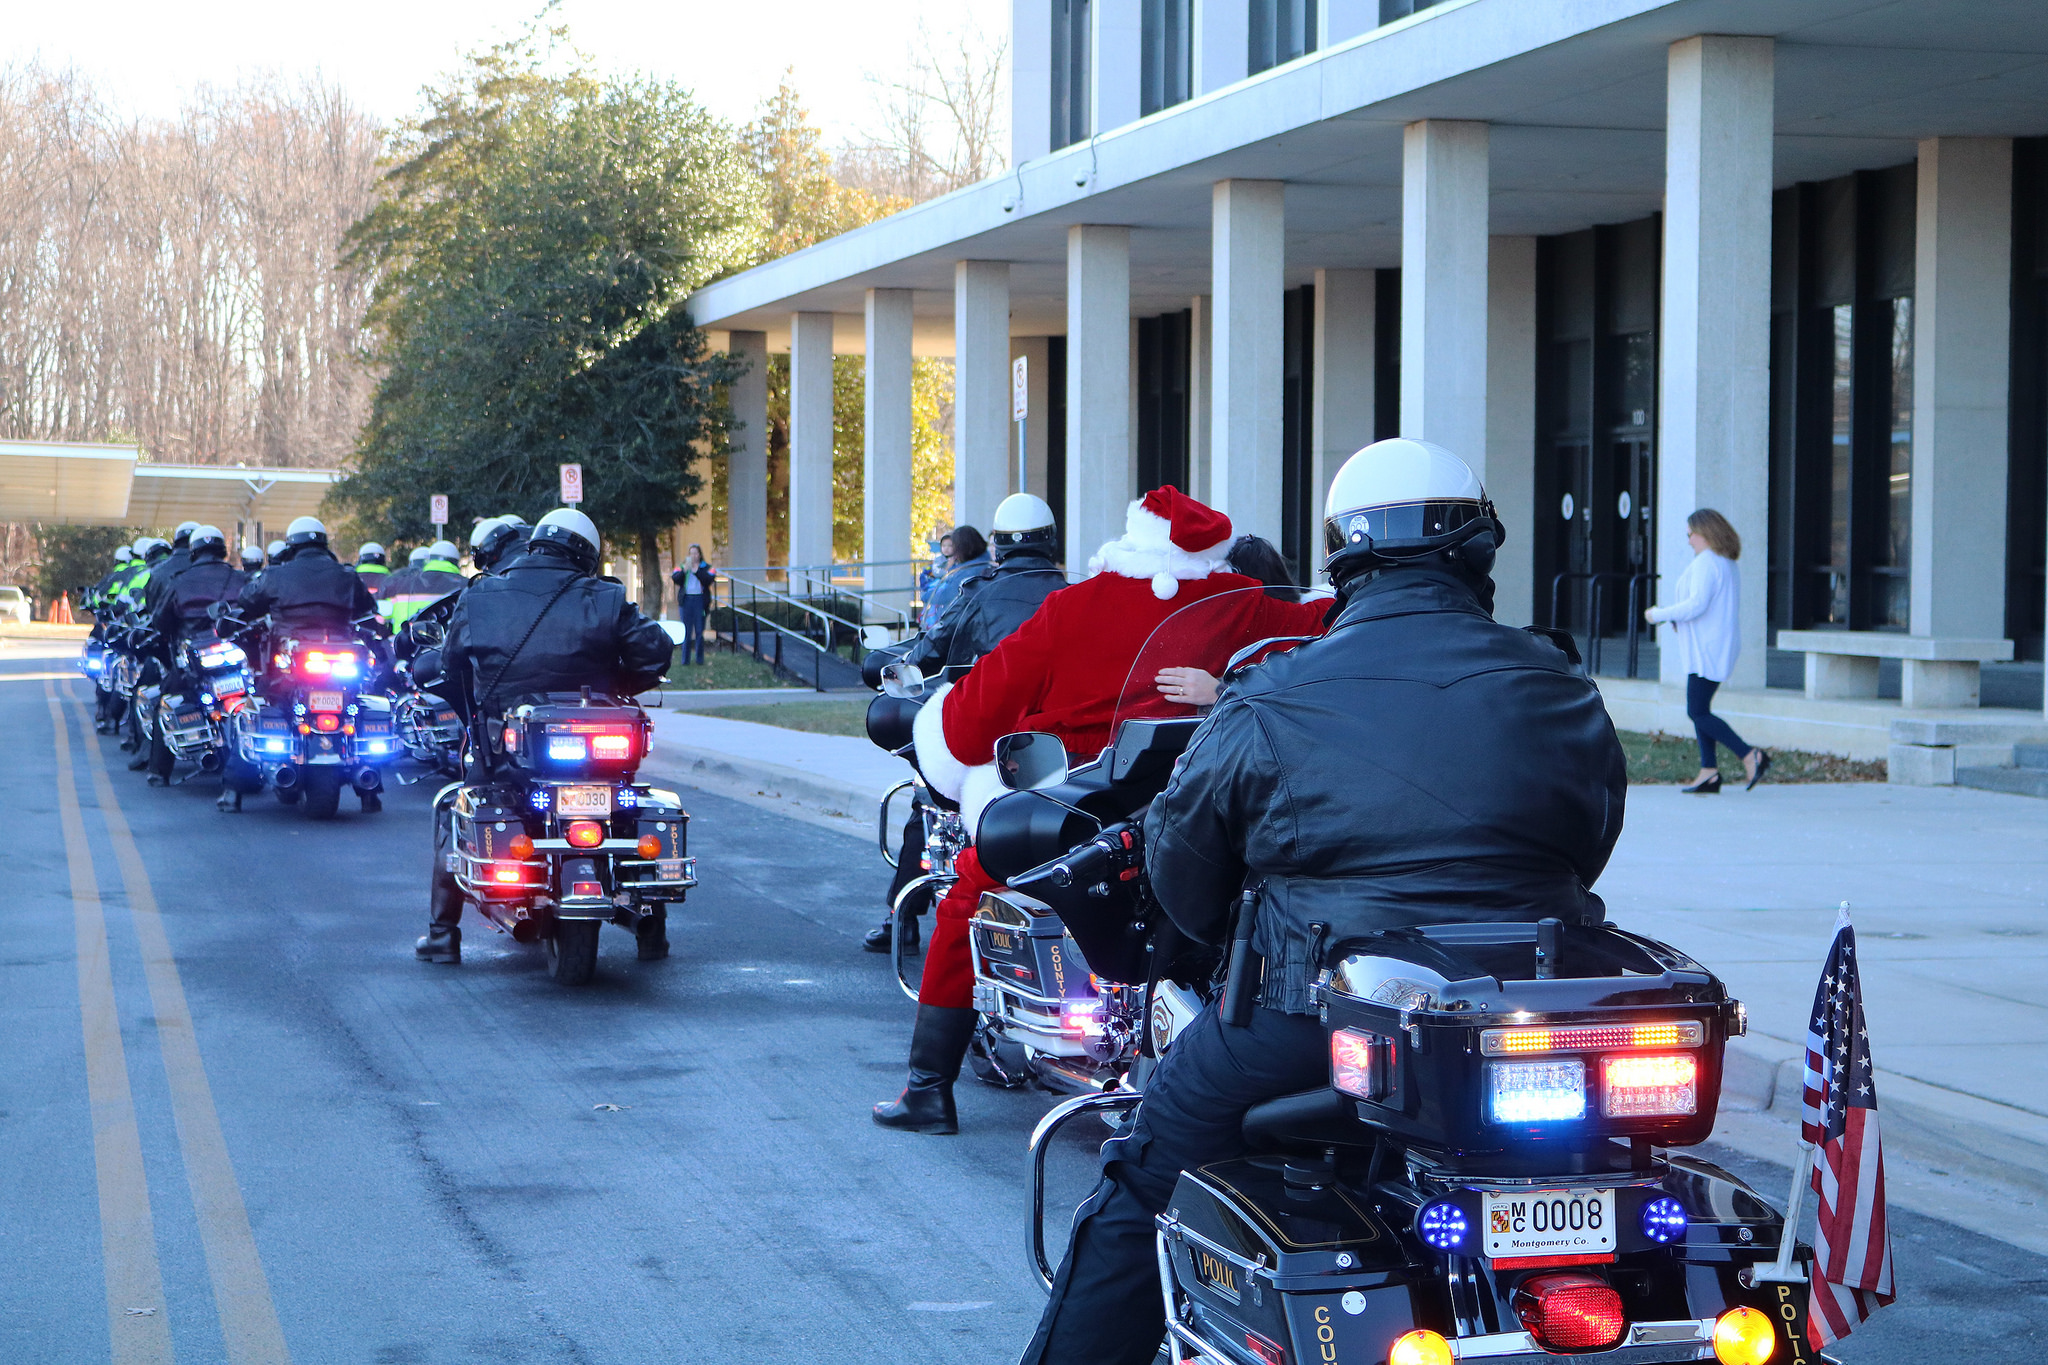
column 945, row 772
column 983, row 785
column 1146, row 550
column 1164, row 586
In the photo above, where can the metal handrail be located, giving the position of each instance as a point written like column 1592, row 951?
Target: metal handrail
column 842, row 579
column 755, row 592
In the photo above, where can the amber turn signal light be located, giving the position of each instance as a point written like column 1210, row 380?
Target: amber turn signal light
column 1744, row 1336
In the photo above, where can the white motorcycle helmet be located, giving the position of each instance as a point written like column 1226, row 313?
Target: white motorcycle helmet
column 208, row 537
column 441, row 549
column 574, row 533
column 122, row 554
column 183, row 534
column 306, row 531
column 252, row 559
column 370, row 552
column 274, row 549
column 1021, row 520
column 1401, row 499
column 420, row 554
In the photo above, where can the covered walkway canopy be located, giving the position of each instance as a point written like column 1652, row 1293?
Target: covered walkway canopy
column 112, row 485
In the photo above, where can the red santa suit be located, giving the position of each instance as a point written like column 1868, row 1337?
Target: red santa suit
column 1068, row 671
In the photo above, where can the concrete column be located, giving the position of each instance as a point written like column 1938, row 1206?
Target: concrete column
column 810, row 438
column 1342, row 382
column 982, row 431
column 1962, row 283
column 1099, row 465
column 1038, row 405
column 1444, row 187
column 1201, row 393
column 1714, row 381
column 1115, row 52
column 746, row 461
column 1222, row 43
column 1510, row 469
column 1030, row 79
column 1248, row 255
column 885, row 459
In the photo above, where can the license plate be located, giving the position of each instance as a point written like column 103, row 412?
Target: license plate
column 1547, row 1222
column 999, row 940
column 668, row 870
column 583, row 801
column 325, row 701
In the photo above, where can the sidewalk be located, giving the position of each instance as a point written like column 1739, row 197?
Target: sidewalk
column 1948, row 887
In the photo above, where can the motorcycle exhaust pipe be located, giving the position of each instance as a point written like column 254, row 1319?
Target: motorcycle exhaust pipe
column 525, row 931
column 368, row 780
column 286, row 778
column 209, row 762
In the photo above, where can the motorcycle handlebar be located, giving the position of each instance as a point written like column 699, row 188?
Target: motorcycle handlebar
column 1095, row 860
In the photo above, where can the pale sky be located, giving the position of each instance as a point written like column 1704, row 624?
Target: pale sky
column 144, row 54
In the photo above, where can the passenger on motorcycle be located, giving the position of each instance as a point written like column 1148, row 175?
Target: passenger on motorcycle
column 1419, row 764
column 989, row 607
column 181, row 615
column 547, row 623
column 1064, row 672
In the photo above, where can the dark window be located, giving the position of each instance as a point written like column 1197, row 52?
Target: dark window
column 1281, row 30
column 1390, row 10
column 1299, row 537
column 1386, row 354
column 1163, row 400
column 1070, row 121
column 1842, row 403
column 1056, row 434
column 1166, row 71
column 2026, row 574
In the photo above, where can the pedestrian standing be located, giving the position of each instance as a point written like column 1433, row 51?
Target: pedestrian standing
column 1705, row 623
column 693, row 579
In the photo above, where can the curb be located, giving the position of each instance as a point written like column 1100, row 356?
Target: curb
column 720, row 772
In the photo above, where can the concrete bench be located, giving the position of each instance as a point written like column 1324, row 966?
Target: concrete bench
column 1935, row 671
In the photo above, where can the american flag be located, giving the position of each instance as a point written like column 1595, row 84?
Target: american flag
column 1852, row 1266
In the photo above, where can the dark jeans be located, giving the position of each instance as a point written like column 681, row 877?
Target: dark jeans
column 910, row 863
column 1699, row 700
column 693, row 625
column 1105, row 1307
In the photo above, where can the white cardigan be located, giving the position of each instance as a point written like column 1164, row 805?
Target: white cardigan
column 1705, row 618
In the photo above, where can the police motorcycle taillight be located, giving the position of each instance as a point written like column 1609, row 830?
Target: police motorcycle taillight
column 564, row 740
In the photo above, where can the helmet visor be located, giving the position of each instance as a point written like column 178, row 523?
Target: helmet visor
column 1400, row 524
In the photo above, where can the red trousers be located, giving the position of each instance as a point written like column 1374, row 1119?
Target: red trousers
column 948, row 964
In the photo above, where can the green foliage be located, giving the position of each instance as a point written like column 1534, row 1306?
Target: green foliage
column 834, row 717
column 538, row 231
column 1660, row 758
column 74, row 557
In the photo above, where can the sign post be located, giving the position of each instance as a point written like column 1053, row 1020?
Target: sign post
column 437, row 512
column 572, row 484
column 1020, row 408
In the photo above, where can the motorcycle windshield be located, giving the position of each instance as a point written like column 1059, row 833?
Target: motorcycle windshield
column 1182, row 663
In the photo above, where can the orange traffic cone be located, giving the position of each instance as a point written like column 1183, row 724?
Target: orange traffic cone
column 60, row 615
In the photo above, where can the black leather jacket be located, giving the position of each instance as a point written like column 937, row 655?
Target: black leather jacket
column 311, row 590
column 182, row 611
column 161, row 576
column 989, row 607
column 1418, row 764
column 506, row 642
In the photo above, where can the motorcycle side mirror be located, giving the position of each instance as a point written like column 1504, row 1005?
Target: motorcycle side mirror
column 1031, row 761
column 903, row 680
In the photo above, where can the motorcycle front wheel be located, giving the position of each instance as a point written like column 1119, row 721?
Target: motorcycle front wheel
column 323, row 795
column 572, row 951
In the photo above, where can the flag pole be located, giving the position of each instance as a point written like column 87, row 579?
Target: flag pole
column 1782, row 1270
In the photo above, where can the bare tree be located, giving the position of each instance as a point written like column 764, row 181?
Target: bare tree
column 940, row 124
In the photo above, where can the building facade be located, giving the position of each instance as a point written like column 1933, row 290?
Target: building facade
column 1627, row 257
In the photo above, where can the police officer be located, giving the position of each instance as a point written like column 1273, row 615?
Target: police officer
column 274, row 552
column 101, row 602
column 181, row 615
column 497, row 541
column 152, row 553
column 546, row 623
column 988, row 606
column 371, row 565
column 1418, row 764
column 414, row 590
column 162, row 575
column 252, row 560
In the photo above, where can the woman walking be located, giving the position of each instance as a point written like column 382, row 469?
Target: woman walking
column 693, row 579
column 1705, row 621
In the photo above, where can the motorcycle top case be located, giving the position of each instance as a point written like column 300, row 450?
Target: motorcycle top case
column 563, row 738
column 1468, row 1051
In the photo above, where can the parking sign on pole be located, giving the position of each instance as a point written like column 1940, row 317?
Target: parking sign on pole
column 437, row 512
column 572, row 484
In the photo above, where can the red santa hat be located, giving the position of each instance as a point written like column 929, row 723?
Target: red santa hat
column 1168, row 537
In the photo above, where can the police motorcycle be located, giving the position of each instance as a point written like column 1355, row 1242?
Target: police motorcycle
column 313, row 726
column 192, row 724
column 1493, row 1172
column 559, row 837
column 428, row 727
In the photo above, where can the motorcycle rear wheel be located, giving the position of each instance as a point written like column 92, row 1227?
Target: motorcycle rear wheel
column 323, row 796
column 572, row 951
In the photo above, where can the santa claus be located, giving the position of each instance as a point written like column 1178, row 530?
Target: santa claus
column 1066, row 671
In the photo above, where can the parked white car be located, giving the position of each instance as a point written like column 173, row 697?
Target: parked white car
column 14, row 606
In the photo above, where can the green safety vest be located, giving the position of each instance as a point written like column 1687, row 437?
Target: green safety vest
column 404, row 606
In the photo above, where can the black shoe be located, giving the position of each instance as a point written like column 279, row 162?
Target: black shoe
column 937, row 1047
column 1763, row 765
column 652, row 936
column 1706, row 786
column 440, row 945
column 159, row 780
column 877, row 938
column 138, row 763
column 229, row 801
column 372, row 803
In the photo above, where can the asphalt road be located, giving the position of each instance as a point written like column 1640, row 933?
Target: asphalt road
column 240, row 1119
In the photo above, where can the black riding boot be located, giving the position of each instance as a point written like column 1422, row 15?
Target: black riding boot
column 652, row 934
column 441, row 943
column 443, row 939
column 937, row 1047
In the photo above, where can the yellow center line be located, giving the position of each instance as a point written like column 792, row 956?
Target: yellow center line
column 37, row 677
column 241, row 1291
column 136, row 1322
